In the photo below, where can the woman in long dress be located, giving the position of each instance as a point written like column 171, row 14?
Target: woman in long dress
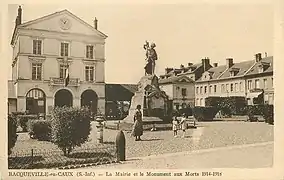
column 137, row 130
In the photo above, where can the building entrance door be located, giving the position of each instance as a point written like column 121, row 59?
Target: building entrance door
column 63, row 97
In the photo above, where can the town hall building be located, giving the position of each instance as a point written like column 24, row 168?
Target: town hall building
column 45, row 51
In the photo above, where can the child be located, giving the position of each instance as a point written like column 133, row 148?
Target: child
column 175, row 126
column 183, row 124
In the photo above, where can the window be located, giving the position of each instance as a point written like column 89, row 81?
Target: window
column 210, row 89
column 37, row 47
column 205, row 89
column 201, row 89
column 62, row 73
column 36, row 71
column 215, row 88
column 90, row 52
column 197, row 90
column 265, row 83
column 232, row 73
column 201, row 102
column 89, row 73
column 183, row 91
column 241, row 87
column 236, row 87
column 197, row 101
column 227, row 87
column 249, row 84
column 260, row 69
column 257, row 84
column 232, row 87
column 223, row 88
column 64, row 49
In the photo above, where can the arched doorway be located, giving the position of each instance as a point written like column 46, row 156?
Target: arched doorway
column 89, row 98
column 63, row 97
column 35, row 101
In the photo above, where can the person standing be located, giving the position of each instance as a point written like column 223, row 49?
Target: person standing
column 137, row 130
column 175, row 126
column 183, row 124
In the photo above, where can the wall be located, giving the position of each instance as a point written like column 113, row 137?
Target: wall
column 239, row 91
column 168, row 88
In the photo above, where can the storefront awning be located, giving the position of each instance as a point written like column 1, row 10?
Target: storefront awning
column 254, row 94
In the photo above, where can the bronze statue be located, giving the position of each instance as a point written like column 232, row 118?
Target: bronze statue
column 151, row 57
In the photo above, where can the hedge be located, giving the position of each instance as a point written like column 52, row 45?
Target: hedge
column 70, row 127
column 23, row 120
column 12, row 132
column 40, row 129
column 265, row 110
column 227, row 105
column 204, row 113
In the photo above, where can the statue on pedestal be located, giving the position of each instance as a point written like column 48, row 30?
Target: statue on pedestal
column 151, row 57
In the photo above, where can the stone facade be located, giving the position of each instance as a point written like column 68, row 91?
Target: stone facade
column 42, row 51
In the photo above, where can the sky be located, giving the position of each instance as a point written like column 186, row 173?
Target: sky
column 183, row 33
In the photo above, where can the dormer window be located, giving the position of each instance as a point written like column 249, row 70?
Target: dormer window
column 263, row 66
column 234, row 72
column 260, row 69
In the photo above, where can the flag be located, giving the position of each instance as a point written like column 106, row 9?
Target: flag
column 67, row 77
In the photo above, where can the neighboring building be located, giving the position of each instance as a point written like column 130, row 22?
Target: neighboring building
column 179, row 83
column 118, row 99
column 43, row 50
column 236, row 79
column 259, row 81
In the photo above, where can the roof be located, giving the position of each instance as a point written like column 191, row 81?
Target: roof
column 266, row 60
column 52, row 15
column 120, row 92
column 217, row 71
column 242, row 67
column 174, row 79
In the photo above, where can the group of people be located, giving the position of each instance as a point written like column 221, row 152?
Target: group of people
column 137, row 130
column 179, row 124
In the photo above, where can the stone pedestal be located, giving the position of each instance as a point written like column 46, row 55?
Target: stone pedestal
column 151, row 99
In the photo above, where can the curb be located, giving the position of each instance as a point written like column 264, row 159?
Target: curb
column 86, row 165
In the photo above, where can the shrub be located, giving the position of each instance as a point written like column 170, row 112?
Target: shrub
column 70, row 127
column 268, row 114
column 23, row 120
column 204, row 113
column 12, row 132
column 227, row 105
column 40, row 129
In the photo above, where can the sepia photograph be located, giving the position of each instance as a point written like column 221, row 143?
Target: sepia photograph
column 140, row 86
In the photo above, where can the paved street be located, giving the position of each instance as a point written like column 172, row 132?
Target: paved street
column 258, row 155
column 207, row 135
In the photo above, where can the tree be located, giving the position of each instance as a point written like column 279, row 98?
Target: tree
column 70, row 127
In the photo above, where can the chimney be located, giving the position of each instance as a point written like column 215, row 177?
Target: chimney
column 190, row 64
column 230, row 62
column 19, row 15
column 96, row 23
column 206, row 63
column 215, row 64
column 181, row 66
column 258, row 57
column 265, row 54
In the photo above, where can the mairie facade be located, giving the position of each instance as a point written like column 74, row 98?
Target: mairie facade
column 45, row 50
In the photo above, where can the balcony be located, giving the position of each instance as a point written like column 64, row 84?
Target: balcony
column 60, row 81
